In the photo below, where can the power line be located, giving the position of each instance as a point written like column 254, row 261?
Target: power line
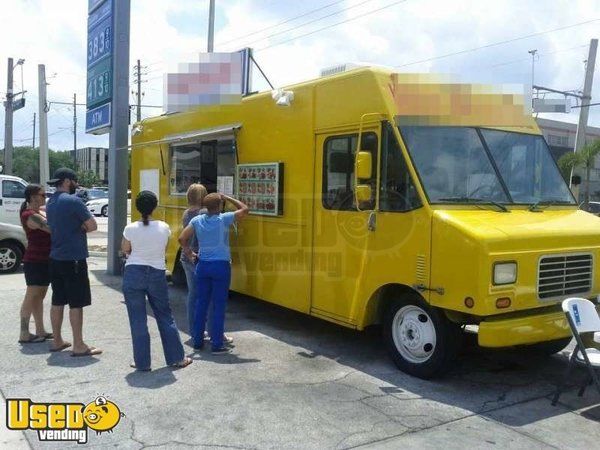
column 310, row 22
column 333, row 25
column 291, row 19
column 539, row 54
column 494, row 44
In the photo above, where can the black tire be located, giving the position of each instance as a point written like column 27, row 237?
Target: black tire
column 11, row 256
column 412, row 320
column 178, row 275
column 104, row 211
column 548, row 348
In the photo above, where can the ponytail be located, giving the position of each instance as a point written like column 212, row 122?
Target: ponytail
column 146, row 203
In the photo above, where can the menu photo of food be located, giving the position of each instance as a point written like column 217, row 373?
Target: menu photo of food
column 260, row 186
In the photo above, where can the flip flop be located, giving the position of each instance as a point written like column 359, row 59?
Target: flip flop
column 61, row 348
column 91, row 351
column 181, row 364
column 133, row 366
column 34, row 339
column 48, row 336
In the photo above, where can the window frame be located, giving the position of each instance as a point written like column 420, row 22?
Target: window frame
column 392, row 135
column 199, row 142
column 325, row 166
column 12, row 197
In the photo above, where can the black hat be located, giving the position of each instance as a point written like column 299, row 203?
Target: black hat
column 64, row 173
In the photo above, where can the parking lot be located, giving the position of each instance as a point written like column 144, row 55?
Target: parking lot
column 291, row 382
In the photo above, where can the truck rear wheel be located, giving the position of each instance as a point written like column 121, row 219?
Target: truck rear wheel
column 420, row 338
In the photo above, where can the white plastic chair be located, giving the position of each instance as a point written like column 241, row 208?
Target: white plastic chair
column 583, row 318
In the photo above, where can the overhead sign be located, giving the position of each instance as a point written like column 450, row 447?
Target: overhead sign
column 99, row 66
column 98, row 120
column 551, row 105
column 18, row 104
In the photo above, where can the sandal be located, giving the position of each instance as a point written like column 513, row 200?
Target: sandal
column 60, row 348
column 91, row 351
column 184, row 363
column 133, row 366
column 33, row 339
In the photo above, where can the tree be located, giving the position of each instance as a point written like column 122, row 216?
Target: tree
column 60, row 159
column 583, row 159
column 87, row 178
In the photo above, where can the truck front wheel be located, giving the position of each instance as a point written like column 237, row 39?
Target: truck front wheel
column 420, row 338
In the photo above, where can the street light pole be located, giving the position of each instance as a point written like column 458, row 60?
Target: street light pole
column 211, row 26
column 8, row 121
column 532, row 53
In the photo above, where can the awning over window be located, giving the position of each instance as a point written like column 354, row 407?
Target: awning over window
column 204, row 133
column 191, row 136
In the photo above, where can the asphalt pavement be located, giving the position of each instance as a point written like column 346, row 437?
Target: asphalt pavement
column 292, row 381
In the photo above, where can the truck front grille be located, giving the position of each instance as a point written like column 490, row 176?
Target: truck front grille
column 565, row 275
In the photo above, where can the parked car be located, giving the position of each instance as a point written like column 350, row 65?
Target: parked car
column 13, row 243
column 91, row 194
column 594, row 208
column 12, row 194
column 98, row 206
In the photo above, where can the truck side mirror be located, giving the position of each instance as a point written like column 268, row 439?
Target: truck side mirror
column 363, row 193
column 363, row 165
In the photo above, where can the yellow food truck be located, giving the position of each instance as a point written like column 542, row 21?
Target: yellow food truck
column 382, row 198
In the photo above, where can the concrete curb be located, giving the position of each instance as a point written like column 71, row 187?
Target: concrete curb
column 99, row 254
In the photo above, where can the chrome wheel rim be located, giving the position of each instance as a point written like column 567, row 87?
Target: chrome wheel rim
column 414, row 334
column 8, row 259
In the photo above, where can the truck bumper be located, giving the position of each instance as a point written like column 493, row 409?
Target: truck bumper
column 523, row 330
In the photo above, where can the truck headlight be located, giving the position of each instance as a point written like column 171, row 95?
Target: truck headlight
column 505, row 273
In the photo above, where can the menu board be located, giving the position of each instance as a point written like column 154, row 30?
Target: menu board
column 260, row 186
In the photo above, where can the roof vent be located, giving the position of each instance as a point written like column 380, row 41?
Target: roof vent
column 340, row 68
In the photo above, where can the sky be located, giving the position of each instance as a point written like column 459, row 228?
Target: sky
column 484, row 41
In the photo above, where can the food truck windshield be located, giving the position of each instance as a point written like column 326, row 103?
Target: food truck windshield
column 470, row 165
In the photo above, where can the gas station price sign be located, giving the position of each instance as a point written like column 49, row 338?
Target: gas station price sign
column 99, row 65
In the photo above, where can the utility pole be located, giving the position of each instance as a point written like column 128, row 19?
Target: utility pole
column 532, row 53
column 33, row 140
column 139, row 91
column 75, row 131
column 585, row 110
column 43, row 117
column 8, row 121
column 211, row 26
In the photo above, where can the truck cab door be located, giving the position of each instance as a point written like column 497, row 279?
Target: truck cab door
column 341, row 237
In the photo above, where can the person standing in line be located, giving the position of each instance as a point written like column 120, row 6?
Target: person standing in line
column 69, row 222
column 195, row 195
column 145, row 242
column 35, row 264
column 213, row 271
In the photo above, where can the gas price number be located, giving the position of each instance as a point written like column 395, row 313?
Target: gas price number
column 99, row 41
column 99, row 88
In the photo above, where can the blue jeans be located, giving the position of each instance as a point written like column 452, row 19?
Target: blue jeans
column 212, row 279
column 140, row 282
column 192, row 297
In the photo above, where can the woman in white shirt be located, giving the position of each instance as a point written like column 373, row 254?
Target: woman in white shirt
column 145, row 242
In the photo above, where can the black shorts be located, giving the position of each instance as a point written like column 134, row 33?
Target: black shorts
column 70, row 283
column 36, row 273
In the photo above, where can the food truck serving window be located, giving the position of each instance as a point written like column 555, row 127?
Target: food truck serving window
column 201, row 162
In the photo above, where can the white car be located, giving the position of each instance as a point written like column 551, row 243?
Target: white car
column 12, row 195
column 98, row 207
column 13, row 243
